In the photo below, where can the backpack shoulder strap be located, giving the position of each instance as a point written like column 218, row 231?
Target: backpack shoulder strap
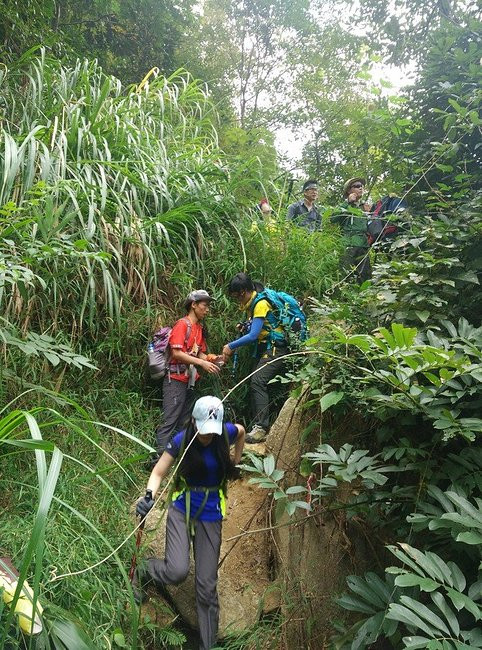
column 378, row 207
column 188, row 330
column 261, row 295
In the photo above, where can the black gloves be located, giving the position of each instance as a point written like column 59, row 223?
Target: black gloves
column 144, row 505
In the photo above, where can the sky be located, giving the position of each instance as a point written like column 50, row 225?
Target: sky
column 290, row 144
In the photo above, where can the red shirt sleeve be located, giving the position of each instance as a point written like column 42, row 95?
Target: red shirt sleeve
column 178, row 334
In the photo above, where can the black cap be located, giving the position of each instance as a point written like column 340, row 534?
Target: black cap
column 309, row 184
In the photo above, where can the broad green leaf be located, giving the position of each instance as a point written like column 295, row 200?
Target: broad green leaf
column 412, row 580
column 359, row 586
column 405, row 615
column 71, row 635
column 415, row 642
column 423, row 315
column 296, row 489
column 423, row 611
column 470, row 538
column 355, row 604
column 269, row 464
column 461, row 601
column 380, row 586
column 330, row 399
column 119, row 639
column 451, row 618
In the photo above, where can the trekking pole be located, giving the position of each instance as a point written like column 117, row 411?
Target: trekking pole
column 136, row 550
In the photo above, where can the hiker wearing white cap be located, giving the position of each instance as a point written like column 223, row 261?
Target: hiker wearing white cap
column 187, row 342
column 197, row 508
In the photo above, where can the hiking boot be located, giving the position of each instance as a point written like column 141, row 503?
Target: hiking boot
column 257, row 434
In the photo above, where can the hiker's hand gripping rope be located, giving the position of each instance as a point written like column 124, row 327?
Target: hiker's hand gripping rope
column 145, row 505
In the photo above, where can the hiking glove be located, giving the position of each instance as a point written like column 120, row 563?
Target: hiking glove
column 144, row 505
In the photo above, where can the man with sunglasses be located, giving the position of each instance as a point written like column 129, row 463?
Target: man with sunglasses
column 351, row 216
column 305, row 213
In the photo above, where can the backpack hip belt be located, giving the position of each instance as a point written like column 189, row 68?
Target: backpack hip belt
column 187, row 489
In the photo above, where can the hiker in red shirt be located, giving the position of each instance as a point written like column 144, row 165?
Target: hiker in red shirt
column 187, row 342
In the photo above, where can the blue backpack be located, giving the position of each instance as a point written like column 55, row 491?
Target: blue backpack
column 286, row 314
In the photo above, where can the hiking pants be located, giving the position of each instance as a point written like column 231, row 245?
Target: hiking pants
column 259, row 383
column 358, row 257
column 175, row 567
column 177, row 403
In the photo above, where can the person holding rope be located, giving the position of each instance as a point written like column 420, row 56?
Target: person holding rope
column 187, row 342
column 197, row 508
column 267, row 334
column 351, row 216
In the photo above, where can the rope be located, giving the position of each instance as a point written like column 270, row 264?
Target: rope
column 433, row 160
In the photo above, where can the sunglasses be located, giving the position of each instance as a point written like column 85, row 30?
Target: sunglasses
column 357, row 186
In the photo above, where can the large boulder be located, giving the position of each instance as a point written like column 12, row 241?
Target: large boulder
column 316, row 553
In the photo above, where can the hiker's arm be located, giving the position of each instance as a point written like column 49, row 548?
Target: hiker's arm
column 178, row 356
column 161, row 469
column 239, row 444
column 250, row 337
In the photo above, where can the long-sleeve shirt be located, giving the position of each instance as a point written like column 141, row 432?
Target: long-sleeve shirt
column 305, row 217
column 260, row 323
column 353, row 223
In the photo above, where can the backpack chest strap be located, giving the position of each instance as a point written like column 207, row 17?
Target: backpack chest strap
column 186, row 490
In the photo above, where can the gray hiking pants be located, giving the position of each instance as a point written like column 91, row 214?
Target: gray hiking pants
column 175, row 567
column 177, row 403
column 259, row 384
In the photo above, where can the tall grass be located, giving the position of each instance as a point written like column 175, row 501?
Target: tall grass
column 71, row 481
column 104, row 189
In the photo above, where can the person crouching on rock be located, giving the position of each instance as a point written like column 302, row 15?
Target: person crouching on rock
column 197, row 507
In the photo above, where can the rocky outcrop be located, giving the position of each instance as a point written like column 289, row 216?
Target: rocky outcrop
column 314, row 554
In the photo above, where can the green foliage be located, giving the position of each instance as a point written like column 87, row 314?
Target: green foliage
column 347, row 465
column 394, row 608
column 79, row 480
column 44, row 346
column 115, row 202
column 270, row 478
column 97, row 204
column 432, row 275
column 285, row 258
column 127, row 40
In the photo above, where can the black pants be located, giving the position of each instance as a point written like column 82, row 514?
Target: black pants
column 358, row 257
column 259, row 383
column 177, row 403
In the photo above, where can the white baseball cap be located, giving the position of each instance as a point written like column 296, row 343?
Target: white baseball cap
column 208, row 412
